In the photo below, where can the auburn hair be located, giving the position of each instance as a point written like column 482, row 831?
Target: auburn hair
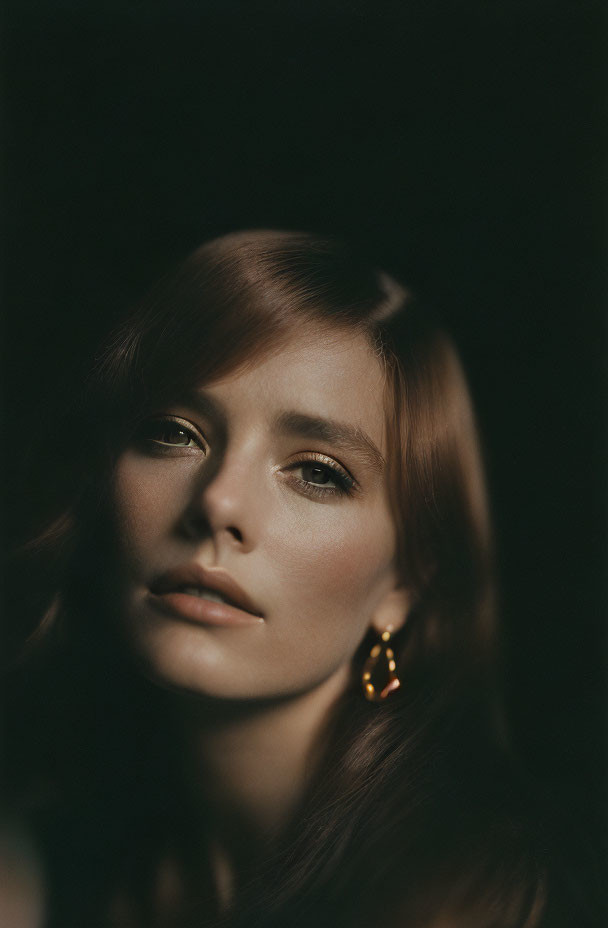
column 417, row 816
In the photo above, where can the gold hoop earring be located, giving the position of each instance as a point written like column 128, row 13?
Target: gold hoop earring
column 379, row 671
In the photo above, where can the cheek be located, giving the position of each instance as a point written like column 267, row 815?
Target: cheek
column 145, row 507
column 335, row 560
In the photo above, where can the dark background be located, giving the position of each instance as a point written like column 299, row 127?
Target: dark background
column 461, row 141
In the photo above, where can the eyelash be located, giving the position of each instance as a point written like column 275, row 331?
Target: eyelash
column 344, row 484
column 146, row 430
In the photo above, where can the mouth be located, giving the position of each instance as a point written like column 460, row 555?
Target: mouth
column 204, row 595
column 211, row 595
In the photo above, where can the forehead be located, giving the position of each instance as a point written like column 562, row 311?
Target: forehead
column 329, row 373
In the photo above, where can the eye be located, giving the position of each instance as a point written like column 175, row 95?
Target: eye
column 320, row 478
column 164, row 433
column 316, row 473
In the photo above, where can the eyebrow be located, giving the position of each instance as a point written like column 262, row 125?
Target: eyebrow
column 351, row 438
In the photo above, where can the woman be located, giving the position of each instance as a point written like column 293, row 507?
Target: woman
column 268, row 659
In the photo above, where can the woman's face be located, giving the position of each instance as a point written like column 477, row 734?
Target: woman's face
column 273, row 478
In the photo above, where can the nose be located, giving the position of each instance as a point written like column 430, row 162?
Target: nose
column 225, row 501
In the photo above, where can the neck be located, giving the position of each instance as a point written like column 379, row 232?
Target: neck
column 251, row 762
column 248, row 765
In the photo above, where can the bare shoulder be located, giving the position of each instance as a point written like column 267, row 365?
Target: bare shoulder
column 22, row 884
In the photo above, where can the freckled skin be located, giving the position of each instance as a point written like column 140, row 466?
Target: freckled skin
column 320, row 569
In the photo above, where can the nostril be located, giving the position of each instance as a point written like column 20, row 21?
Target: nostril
column 235, row 531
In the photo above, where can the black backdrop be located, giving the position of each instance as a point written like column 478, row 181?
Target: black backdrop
column 459, row 139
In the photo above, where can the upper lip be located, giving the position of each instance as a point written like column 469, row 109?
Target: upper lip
column 215, row 578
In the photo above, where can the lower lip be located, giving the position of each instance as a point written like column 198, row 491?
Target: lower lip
column 199, row 610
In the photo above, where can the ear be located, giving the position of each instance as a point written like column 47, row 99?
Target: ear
column 392, row 611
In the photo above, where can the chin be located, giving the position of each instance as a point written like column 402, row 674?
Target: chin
column 178, row 657
column 220, row 664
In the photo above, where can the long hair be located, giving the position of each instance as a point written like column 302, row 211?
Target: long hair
column 415, row 813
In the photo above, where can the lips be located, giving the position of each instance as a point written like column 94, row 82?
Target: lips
column 193, row 579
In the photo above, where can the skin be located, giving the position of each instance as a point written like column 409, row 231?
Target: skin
column 320, row 567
